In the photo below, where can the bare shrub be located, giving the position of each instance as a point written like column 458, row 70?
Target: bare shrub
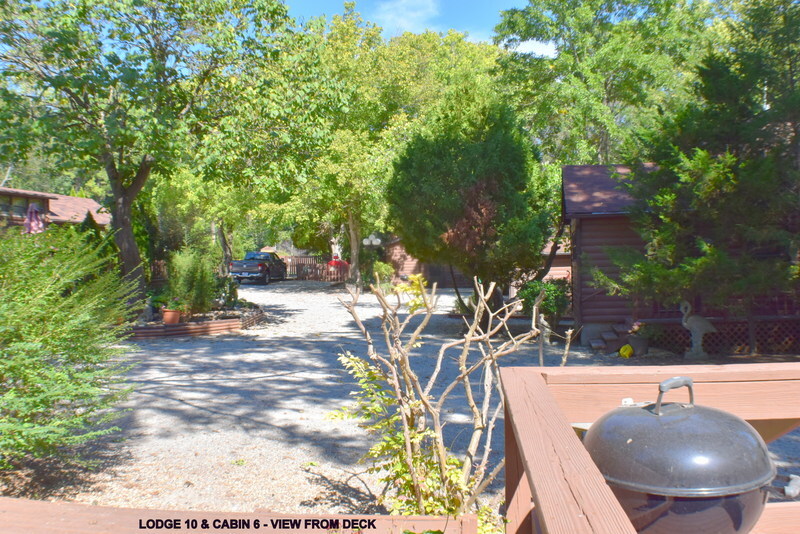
column 422, row 476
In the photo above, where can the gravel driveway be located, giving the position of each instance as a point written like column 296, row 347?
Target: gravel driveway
column 242, row 421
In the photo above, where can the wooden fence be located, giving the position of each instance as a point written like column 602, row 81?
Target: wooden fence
column 552, row 485
column 314, row 268
column 297, row 267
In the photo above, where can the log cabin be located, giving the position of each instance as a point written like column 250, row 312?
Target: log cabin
column 596, row 207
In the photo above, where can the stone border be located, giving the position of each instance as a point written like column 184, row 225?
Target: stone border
column 197, row 329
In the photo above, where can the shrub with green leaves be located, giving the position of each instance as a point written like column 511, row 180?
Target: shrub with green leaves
column 191, row 280
column 381, row 415
column 63, row 306
column 556, row 298
column 384, row 271
column 226, row 290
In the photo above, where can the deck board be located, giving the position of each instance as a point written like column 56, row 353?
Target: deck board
column 779, row 518
column 586, row 394
column 570, row 493
column 648, row 374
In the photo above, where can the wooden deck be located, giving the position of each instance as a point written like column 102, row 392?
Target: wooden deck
column 23, row 516
column 552, row 485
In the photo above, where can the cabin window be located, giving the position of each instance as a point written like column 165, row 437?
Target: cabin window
column 5, row 205
column 19, row 206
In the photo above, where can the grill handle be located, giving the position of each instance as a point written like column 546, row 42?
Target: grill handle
column 672, row 383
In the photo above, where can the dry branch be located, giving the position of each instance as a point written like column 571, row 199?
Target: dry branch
column 459, row 476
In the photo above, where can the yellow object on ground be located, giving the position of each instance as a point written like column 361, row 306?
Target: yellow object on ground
column 626, row 351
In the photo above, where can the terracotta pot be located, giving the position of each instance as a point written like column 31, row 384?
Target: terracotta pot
column 171, row 316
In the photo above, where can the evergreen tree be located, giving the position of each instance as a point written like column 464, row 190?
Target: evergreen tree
column 721, row 215
column 469, row 180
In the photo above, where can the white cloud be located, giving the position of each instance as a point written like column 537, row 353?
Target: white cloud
column 538, row 48
column 398, row 16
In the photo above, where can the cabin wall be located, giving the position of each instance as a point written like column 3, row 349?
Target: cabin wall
column 561, row 268
column 14, row 208
column 593, row 237
column 405, row 265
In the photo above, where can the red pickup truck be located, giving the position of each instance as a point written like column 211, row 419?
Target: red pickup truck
column 259, row 266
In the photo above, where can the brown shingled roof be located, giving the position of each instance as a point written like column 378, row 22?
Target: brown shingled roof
column 73, row 209
column 595, row 190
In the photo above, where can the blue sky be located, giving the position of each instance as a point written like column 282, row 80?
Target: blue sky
column 475, row 17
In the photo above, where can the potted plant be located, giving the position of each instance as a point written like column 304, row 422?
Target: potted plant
column 174, row 311
column 639, row 338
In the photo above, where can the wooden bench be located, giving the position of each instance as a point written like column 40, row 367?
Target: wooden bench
column 25, row 516
column 552, row 485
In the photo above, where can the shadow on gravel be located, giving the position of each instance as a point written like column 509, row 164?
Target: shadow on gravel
column 276, row 314
column 56, row 478
column 276, row 385
column 351, row 496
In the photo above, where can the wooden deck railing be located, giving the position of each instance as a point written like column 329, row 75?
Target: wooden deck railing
column 552, row 485
column 24, row 516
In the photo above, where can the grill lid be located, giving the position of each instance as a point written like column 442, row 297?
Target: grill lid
column 679, row 450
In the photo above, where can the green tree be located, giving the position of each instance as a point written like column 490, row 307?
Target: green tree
column 350, row 171
column 391, row 87
column 720, row 215
column 469, row 180
column 262, row 133
column 618, row 66
column 117, row 85
column 63, row 306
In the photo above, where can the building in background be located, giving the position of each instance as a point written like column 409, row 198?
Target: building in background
column 15, row 205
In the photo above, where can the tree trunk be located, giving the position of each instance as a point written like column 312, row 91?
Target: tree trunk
column 494, row 303
column 122, row 224
column 355, row 246
column 552, row 255
column 336, row 242
column 225, row 244
column 461, row 304
column 122, row 220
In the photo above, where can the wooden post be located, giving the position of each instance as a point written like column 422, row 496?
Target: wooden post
column 519, row 502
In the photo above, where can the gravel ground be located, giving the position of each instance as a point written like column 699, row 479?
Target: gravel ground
column 238, row 422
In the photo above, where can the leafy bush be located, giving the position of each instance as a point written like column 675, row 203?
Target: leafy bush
column 384, row 271
column 378, row 409
column 63, row 305
column 556, row 298
column 191, row 281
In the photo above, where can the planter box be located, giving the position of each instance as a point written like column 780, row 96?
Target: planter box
column 197, row 329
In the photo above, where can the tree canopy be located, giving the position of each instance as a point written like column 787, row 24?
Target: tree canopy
column 618, row 65
column 390, row 89
column 113, row 85
column 225, row 113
